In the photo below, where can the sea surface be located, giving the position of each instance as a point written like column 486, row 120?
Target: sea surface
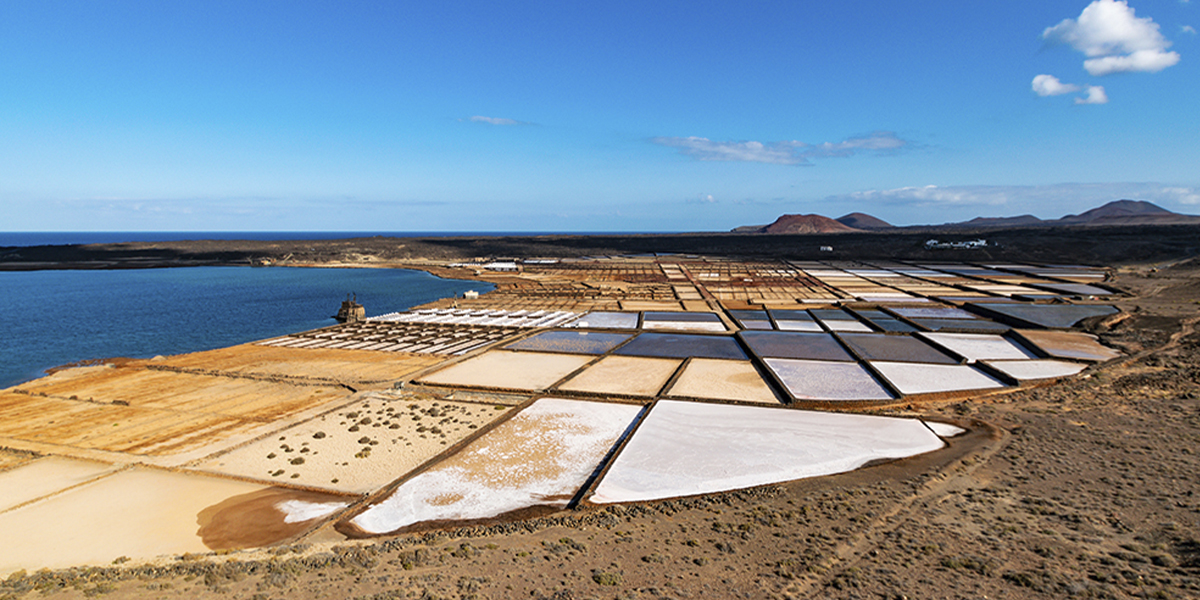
column 51, row 318
column 59, row 238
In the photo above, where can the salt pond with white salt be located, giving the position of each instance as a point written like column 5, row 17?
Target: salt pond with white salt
column 690, row 448
column 1028, row 370
column 542, row 456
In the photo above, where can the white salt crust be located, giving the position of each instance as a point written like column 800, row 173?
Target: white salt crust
column 690, row 448
column 297, row 511
column 541, row 456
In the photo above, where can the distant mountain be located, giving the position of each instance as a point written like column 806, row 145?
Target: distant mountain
column 1119, row 212
column 799, row 224
column 1021, row 221
column 859, row 220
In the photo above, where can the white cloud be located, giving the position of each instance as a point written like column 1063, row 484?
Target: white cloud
column 774, row 153
column 1187, row 29
column 780, row 153
column 1182, row 195
column 877, row 141
column 1142, row 61
column 702, row 199
column 1064, row 197
column 1049, row 85
column 495, row 121
column 930, row 195
column 1114, row 39
column 1095, row 95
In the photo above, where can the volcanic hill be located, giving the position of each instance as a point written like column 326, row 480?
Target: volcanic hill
column 859, row 220
column 799, row 224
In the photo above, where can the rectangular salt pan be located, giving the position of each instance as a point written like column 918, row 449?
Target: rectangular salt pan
column 510, row 370
column 1070, row 344
column 973, row 346
column 686, row 448
column 877, row 346
column 624, row 375
column 779, row 344
column 1028, row 370
column 606, row 320
column 1055, row 316
column 540, row 457
column 718, row 379
column 827, row 381
column 962, row 325
column 571, row 342
column 756, row 325
column 935, row 313
column 918, row 378
column 749, row 315
column 682, row 345
column 839, row 325
column 713, row 327
column 798, row 326
column 700, row 317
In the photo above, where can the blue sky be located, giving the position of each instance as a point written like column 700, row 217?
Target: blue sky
column 615, row 116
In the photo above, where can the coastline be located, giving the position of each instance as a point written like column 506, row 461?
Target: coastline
column 1109, row 245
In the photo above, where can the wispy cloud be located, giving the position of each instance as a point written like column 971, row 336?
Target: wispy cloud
column 931, row 195
column 1187, row 29
column 1182, row 195
column 780, row 153
column 1114, row 39
column 1095, row 95
column 702, row 199
column 494, row 121
column 1031, row 197
column 1049, row 85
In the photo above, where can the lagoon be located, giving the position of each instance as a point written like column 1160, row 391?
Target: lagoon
column 51, row 318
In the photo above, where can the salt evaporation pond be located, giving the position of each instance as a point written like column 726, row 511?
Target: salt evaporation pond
column 542, row 456
column 691, row 448
column 144, row 513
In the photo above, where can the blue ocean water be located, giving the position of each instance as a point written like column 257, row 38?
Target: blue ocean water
column 58, row 238
column 51, row 318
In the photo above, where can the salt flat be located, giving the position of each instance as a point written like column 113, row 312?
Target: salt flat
column 919, row 378
column 974, row 346
column 539, row 457
column 1027, row 370
column 689, row 448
